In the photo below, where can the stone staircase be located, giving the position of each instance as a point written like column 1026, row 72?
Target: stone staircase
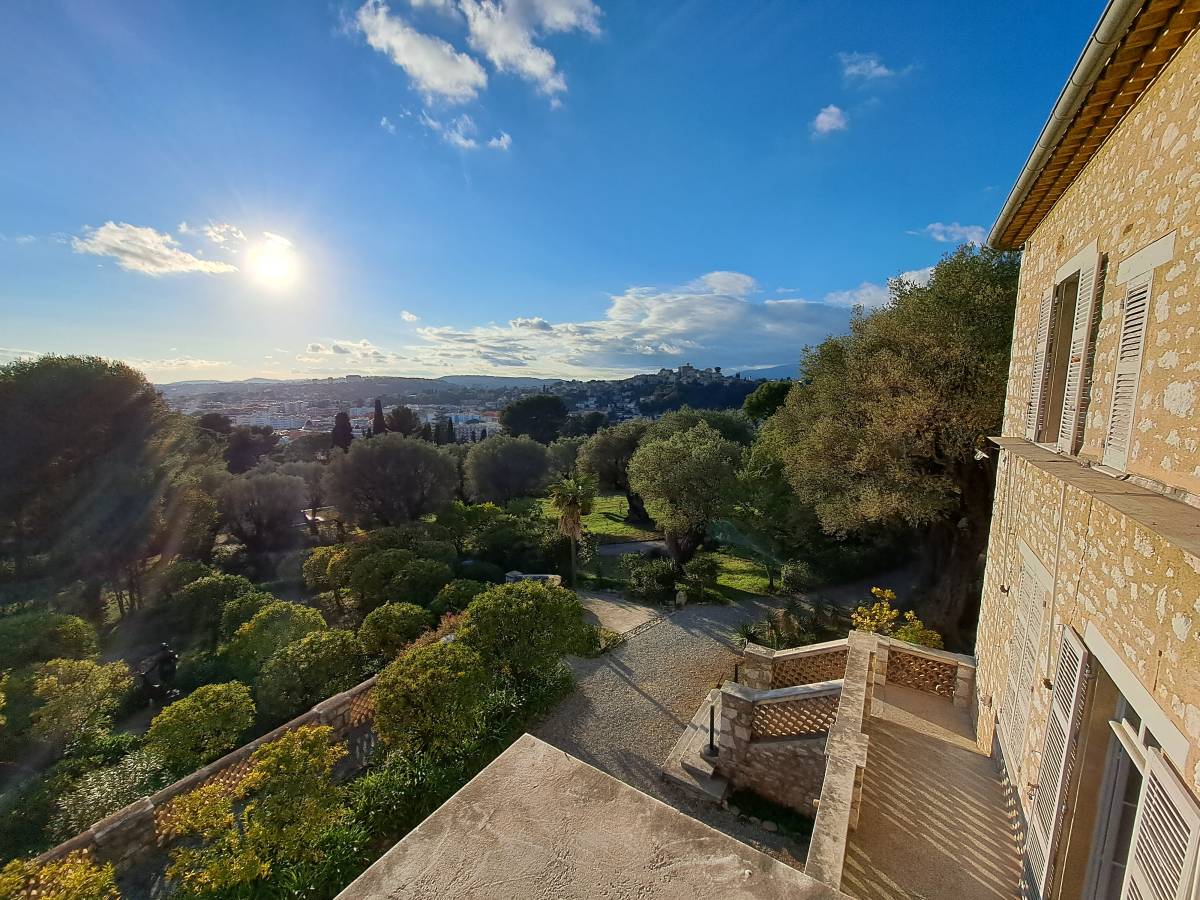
column 688, row 765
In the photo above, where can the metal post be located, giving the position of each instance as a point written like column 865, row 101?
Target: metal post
column 737, row 667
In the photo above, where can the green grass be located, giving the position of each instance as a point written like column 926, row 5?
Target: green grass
column 741, row 575
column 607, row 520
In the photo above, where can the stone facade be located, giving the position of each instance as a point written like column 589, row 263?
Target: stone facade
column 1140, row 186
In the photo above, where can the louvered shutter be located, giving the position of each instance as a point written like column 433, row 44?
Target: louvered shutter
column 1022, row 660
column 1134, row 313
column 1075, row 390
column 1062, row 727
column 1166, row 832
column 1041, row 371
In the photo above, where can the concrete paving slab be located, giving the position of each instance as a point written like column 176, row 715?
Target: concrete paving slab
column 614, row 612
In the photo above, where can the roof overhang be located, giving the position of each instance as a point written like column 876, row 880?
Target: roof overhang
column 1132, row 43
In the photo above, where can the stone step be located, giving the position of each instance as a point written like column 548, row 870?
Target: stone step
column 688, row 765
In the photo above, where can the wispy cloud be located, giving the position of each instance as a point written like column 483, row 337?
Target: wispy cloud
column 863, row 67
column 437, row 70
column 460, row 132
column 387, row 125
column 223, row 233
column 953, row 233
column 830, row 119
column 12, row 354
column 144, row 250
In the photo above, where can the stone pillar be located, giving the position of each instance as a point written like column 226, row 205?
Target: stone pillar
column 881, row 661
column 757, row 666
column 964, row 686
column 737, row 720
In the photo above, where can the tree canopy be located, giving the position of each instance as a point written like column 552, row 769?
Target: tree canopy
column 194, row 731
column 390, row 480
column 606, row 455
column 504, row 468
column 884, row 425
column 403, row 420
column 539, row 416
column 431, row 697
column 261, row 509
column 766, row 400
column 688, row 480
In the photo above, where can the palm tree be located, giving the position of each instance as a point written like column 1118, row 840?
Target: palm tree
column 572, row 498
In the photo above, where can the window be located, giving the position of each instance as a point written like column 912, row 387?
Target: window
column 1161, row 862
column 1060, row 384
column 1135, row 309
column 1024, row 642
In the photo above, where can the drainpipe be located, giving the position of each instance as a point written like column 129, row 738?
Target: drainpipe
column 1113, row 24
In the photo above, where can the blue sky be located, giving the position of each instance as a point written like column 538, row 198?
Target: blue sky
column 523, row 187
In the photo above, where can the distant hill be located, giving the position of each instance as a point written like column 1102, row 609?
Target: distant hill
column 773, row 373
column 498, row 381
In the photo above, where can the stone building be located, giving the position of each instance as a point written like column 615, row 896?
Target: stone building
column 1088, row 679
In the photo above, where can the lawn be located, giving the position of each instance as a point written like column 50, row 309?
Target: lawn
column 607, row 520
column 742, row 574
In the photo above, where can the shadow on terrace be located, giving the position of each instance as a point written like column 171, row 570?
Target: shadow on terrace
column 875, row 736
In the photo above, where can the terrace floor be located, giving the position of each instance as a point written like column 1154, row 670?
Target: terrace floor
column 935, row 820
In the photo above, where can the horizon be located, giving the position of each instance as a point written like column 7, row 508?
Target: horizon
column 569, row 190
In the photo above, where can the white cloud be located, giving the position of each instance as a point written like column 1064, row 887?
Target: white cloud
column 223, row 232
column 502, row 141
column 437, row 70
column 954, row 233
column 918, row 276
column 830, row 119
column 729, row 284
column 315, row 347
column 174, row 363
column 387, row 125
column 864, row 67
column 460, row 132
column 504, row 31
column 867, row 294
column 11, row 354
column 144, row 250
column 408, row 316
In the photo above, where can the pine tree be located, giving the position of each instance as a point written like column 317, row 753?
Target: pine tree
column 343, row 434
column 379, row 425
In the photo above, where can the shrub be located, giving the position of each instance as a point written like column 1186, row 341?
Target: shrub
column 272, row 628
column 650, row 580
column 206, row 597
column 525, row 629
column 315, row 568
column 438, row 551
column 479, row 570
column 276, row 816
column 797, row 577
column 194, row 731
column 455, row 596
column 241, row 609
column 77, row 696
column 390, row 628
column 102, row 792
column 37, row 636
column 395, row 797
column 303, row 673
column 880, row 618
column 701, row 574
column 430, row 698
column 74, row 877
column 180, row 573
column 232, row 559
column 371, row 577
column 420, row 581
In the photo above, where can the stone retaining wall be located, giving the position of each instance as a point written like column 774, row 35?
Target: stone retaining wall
column 133, row 834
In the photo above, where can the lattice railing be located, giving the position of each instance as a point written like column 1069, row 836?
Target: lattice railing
column 802, row 717
column 934, row 676
column 828, row 665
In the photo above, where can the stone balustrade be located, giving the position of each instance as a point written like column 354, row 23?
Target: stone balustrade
column 948, row 675
column 766, row 669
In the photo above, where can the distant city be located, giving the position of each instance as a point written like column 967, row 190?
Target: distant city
column 471, row 403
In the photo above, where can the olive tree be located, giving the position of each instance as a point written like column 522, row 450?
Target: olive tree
column 688, row 479
column 504, row 468
column 390, row 480
column 306, row 671
column 261, row 509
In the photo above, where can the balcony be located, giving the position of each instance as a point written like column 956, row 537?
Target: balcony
column 873, row 738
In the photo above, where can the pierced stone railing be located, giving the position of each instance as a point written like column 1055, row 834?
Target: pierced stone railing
column 804, row 711
column 939, row 672
column 765, row 669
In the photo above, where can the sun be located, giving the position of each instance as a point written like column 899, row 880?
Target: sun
column 273, row 263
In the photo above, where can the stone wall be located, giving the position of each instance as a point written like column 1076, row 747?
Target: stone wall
column 1140, row 186
column 144, row 828
column 1122, row 559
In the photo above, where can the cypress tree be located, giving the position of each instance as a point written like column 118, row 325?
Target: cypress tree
column 343, row 434
column 379, row 426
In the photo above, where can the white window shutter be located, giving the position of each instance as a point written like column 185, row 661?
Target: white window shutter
column 1022, row 663
column 1058, row 750
column 1075, row 390
column 1041, row 371
column 1134, row 313
column 1166, row 833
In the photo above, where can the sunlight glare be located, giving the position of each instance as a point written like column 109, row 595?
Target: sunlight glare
column 273, row 263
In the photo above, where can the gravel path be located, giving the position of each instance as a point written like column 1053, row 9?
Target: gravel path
column 632, row 704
